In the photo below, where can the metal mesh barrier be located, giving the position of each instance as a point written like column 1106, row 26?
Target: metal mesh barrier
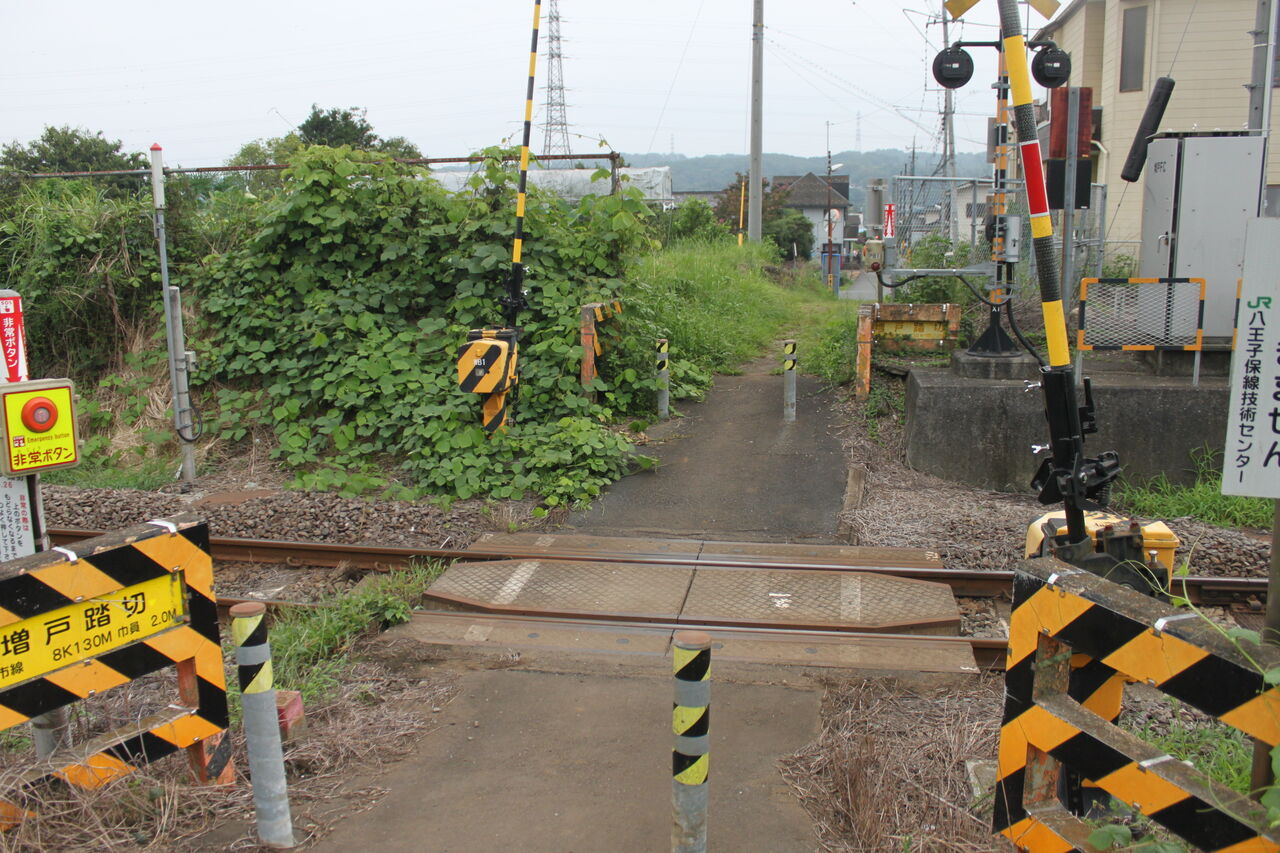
column 940, row 221
column 1141, row 314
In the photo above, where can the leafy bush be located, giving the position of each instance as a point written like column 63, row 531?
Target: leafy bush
column 934, row 251
column 380, row 273
column 692, row 220
column 791, row 232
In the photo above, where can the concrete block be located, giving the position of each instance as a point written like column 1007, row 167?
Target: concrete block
column 980, row 431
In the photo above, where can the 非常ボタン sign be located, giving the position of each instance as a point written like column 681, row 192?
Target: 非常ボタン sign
column 39, row 426
column 50, row 641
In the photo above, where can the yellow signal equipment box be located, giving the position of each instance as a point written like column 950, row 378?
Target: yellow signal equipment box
column 487, row 361
column 1156, row 535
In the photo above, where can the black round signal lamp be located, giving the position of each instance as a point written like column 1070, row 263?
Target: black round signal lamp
column 1051, row 67
column 952, row 67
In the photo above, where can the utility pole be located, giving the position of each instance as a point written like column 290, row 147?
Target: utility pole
column 948, row 118
column 755, row 196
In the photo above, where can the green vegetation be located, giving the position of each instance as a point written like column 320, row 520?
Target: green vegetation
column 829, row 344
column 326, row 315
column 1158, row 498
column 310, row 646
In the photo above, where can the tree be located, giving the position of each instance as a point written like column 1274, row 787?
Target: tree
column 789, row 230
column 337, row 127
column 70, row 149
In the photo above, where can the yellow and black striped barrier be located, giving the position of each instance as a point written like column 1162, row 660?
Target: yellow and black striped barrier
column 1061, row 612
column 690, row 756
column 81, row 620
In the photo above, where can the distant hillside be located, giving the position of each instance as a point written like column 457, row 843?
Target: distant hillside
column 716, row 171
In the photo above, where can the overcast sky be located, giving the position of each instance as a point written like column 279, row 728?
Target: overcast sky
column 660, row 76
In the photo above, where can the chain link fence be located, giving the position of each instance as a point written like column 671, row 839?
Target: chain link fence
column 941, row 222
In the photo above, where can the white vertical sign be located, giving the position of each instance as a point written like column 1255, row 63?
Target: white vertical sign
column 1251, row 461
column 17, row 524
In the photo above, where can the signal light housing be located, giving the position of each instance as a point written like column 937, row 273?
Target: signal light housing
column 952, row 67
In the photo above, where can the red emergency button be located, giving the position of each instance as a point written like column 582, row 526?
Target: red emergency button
column 39, row 414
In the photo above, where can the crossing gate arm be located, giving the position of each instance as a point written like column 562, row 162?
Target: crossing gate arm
column 80, row 620
column 1059, row 612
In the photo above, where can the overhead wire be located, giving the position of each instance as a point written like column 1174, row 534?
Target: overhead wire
column 675, row 76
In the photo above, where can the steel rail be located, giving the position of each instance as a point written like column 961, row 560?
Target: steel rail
column 963, row 582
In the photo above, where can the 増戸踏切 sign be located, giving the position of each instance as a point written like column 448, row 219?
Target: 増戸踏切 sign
column 49, row 641
column 1251, row 461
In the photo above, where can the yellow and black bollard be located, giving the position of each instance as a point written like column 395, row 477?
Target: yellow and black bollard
column 788, row 381
column 261, row 725
column 664, row 381
column 690, row 723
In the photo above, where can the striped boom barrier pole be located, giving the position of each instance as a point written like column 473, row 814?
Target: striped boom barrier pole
column 690, row 723
column 261, row 725
column 789, row 381
column 664, row 380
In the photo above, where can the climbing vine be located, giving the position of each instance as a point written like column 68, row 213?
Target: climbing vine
column 336, row 325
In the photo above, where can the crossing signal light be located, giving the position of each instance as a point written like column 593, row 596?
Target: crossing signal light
column 1051, row 67
column 952, row 67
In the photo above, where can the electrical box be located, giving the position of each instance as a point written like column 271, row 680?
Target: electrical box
column 1012, row 239
column 1158, row 541
column 1199, row 191
column 487, row 362
column 873, row 255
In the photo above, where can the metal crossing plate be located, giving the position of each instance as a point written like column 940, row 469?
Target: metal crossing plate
column 649, row 649
column 836, row 556
column 557, row 546
column 571, row 546
column 826, row 600
column 562, row 588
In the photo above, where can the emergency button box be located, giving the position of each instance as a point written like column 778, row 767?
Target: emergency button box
column 487, row 362
column 39, row 428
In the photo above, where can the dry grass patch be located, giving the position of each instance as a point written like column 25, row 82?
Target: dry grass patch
column 888, row 771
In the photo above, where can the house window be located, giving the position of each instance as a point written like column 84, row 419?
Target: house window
column 980, row 212
column 1271, row 200
column 1133, row 48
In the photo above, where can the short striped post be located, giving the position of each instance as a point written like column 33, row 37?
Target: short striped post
column 664, row 381
column 789, row 381
column 690, row 720
column 261, row 726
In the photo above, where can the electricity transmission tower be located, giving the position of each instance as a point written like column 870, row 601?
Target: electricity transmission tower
column 556, row 138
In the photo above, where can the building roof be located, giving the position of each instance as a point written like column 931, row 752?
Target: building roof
column 1050, row 28
column 812, row 191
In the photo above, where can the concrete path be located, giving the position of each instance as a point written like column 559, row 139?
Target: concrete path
column 547, row 763
column 571, row 755
column 730, row 469
column 860, row 285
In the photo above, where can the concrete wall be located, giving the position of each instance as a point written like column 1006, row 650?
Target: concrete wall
column 979, row 432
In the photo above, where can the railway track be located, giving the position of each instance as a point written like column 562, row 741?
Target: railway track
column 1245, row 594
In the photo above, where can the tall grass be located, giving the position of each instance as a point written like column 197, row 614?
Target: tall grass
column 1158, row 498
column 712, row 300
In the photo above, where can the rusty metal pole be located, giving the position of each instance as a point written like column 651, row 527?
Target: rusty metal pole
column 690, row 723
column 587, row 333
